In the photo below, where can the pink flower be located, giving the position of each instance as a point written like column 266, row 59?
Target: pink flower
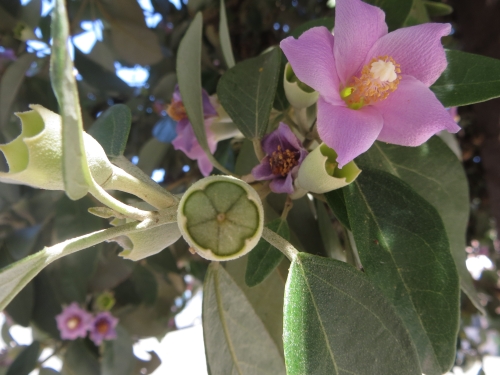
column 73, row 322
column 284, row 154
column 186, row 140
column 103, row 327
column 373, row 85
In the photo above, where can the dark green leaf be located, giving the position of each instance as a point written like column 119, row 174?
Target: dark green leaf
column 396, row 11
column 163, row 262
column 403, row 247
column 329, row 233
column 418, row 14
column 21, row 242
column 247, row 92
column 21, row 307
column 118, row 357
column 111, row 129
column 225, row 39
column 468, row 79
column 337, row 322
column 79, row 360
column 246, row 159
column 236, row 341
column 434, row 172
column 437, row 9
column 280, row 101
column 47, row 306
column 327, row 22
column 336, row 201
column 264, row 258
column 26, row 361
column 145, row 284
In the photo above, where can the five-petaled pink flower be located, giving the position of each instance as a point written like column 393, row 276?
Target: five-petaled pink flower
column 103, row 327
column 373, row 85
column 73, row 322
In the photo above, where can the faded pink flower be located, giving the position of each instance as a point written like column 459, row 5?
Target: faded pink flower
column 186, row 139
column 73, row 322
column 284, row 154
column 103, row 327
column 373, row 85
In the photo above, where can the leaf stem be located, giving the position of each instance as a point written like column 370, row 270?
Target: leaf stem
column 280, row 243
column 257, row 146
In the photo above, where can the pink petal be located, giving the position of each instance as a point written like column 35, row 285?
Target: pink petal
column 417, row 49
column 357, row 27
column 412, row 114
column 349, row 132
column 311, row 57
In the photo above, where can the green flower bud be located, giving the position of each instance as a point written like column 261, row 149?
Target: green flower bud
column 319, row 172
column 221, row 217
column 104, row 301
column 298, row 93
column 35, row 156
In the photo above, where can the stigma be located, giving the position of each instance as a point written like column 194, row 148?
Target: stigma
column 176, row 110
column 282, row 161
column 379, row 78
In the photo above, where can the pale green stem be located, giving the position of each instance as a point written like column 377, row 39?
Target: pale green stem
column 301, row 117
column 105, row 198
column 354, row 250
column 280, row 243
column 258, row 149
column 155, row 195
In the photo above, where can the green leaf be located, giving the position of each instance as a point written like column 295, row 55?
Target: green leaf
column 10, row 83
column 189, row 77
column 404, row 250
column 225, row 39
column 396, row 11
column 264, row 258
column 437, row 9
column 337, row 322
column 266, row 298
column 329, row 233
column 118, row 357
column 21, row 242
column 79, row 360
column 336, row 201
column 435, row 173
column 111, row 129
column 247, row 92
column 26, row 361
column 418, row 14
column 21, row 307
column 327, row 22
column 236, row 341
column 76, row 173
column 468, row 79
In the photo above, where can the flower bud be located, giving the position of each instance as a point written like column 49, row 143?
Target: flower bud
column 319, row 172
column 221, row 217
column 35, row 156
column 298, row 93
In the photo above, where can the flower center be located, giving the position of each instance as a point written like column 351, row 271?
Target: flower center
column 176, row 110
column 282, row 161
column 102, row 326
column 73, row 322
column 378, row 79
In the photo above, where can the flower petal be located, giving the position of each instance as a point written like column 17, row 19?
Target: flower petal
column 417, row 49
column 311, row 57
column 208, row 108
column 282, row 184
column 263, row 170
column 283, row 137
column 349, row 132
column 357, row 27
column 413, row 114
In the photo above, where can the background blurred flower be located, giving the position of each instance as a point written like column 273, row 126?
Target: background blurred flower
column 73, row 322
column 356, row 76
column 103, row 327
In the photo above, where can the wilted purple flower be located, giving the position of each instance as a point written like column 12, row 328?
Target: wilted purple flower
column 73, row 322
column 186, row 140
column 373, row 85
column 284, row 154
column 103, row 327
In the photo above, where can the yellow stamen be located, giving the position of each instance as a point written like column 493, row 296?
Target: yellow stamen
column 379, row 78
column 176, row 110
column 283, row 161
